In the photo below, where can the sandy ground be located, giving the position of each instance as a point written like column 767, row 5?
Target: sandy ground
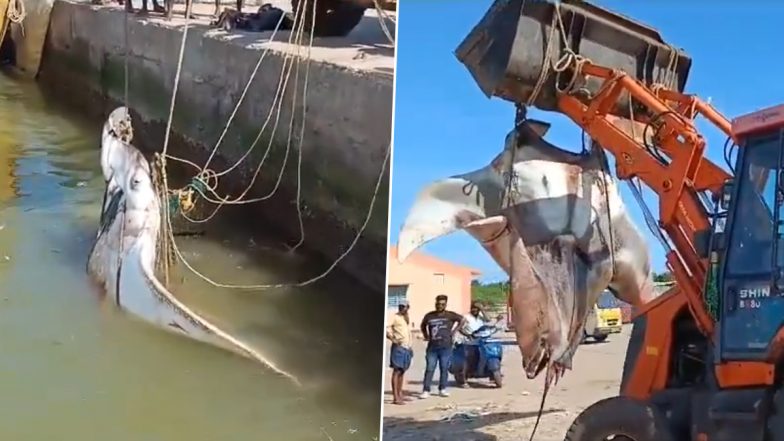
column 483, row 413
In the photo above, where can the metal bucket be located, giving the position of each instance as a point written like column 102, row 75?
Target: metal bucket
column 505, row 51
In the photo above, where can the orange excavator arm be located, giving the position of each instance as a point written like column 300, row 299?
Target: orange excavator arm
column 603, row 71
column 677, row 181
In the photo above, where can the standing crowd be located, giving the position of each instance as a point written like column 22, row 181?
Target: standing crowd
column 444, row 331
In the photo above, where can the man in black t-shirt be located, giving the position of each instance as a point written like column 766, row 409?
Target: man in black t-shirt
column 438, row 328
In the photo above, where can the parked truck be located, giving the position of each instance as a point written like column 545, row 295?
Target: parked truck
column 604, row 319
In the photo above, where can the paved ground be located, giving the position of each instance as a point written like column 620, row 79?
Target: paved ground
column 488, row 414
column 365, row 49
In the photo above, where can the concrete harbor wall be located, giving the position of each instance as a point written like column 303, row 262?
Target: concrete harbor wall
column 347, row 128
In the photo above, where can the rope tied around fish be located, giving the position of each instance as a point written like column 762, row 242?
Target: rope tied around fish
column 204, row 184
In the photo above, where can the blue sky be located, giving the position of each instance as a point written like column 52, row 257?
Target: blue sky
column 444, row 124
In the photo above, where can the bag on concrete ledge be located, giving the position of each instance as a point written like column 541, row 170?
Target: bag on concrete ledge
column 266, row 19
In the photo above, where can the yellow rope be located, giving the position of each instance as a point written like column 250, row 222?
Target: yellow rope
column 568, row 59
column 382, row 16
column 164, row 259
column 669, row 78
column 16, row 11
column 244, row 92
column 545, row 72
column 209, row 179
column 304, row 282
column 207, row 176
column 180, row 57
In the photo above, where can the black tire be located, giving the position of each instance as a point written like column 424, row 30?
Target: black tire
column 625, row 418
column 600, row 337
column 498, row 379
column 334, row 18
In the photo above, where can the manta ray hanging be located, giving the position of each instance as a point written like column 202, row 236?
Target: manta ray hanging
column 557, row 226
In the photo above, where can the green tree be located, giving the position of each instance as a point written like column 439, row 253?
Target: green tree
column 662, row 277
column 491, row 294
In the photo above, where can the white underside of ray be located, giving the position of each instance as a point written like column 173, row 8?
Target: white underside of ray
column 437, row 209
column 127, row 248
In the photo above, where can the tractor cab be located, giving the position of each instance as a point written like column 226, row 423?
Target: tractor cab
column 749, row 253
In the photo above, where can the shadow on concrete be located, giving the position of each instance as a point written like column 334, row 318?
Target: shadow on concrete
column 460, row 429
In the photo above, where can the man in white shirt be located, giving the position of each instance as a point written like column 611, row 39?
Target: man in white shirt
column 474, row 320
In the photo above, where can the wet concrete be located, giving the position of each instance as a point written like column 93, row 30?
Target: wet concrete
column 347, row 128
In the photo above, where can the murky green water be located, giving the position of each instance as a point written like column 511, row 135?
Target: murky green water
column 72, row 367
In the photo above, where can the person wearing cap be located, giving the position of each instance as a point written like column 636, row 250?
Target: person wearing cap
column 475, row 319
column 400, row 354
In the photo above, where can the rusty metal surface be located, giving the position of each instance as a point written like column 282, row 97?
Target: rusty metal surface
column 505, row 50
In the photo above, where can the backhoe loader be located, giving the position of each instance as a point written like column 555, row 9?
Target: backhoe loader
column 704, row 358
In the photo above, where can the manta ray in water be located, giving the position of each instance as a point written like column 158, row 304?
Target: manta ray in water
column 561, row 232
column 123, row 257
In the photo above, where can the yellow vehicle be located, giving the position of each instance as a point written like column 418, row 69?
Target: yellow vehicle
column 605, row 319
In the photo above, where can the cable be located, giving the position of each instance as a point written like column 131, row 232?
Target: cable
column 176, row 78
column 382, row 15
column 305, row 282
column 729, row 148
column 650, row 220
column 280, row 91
column 16, row 12
column 244, row 92
column 302, row 137
column 126, row 81
column 209, row 178
column 652, row 149
column 221, row 201
column 544, row 73
column 278, row 102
